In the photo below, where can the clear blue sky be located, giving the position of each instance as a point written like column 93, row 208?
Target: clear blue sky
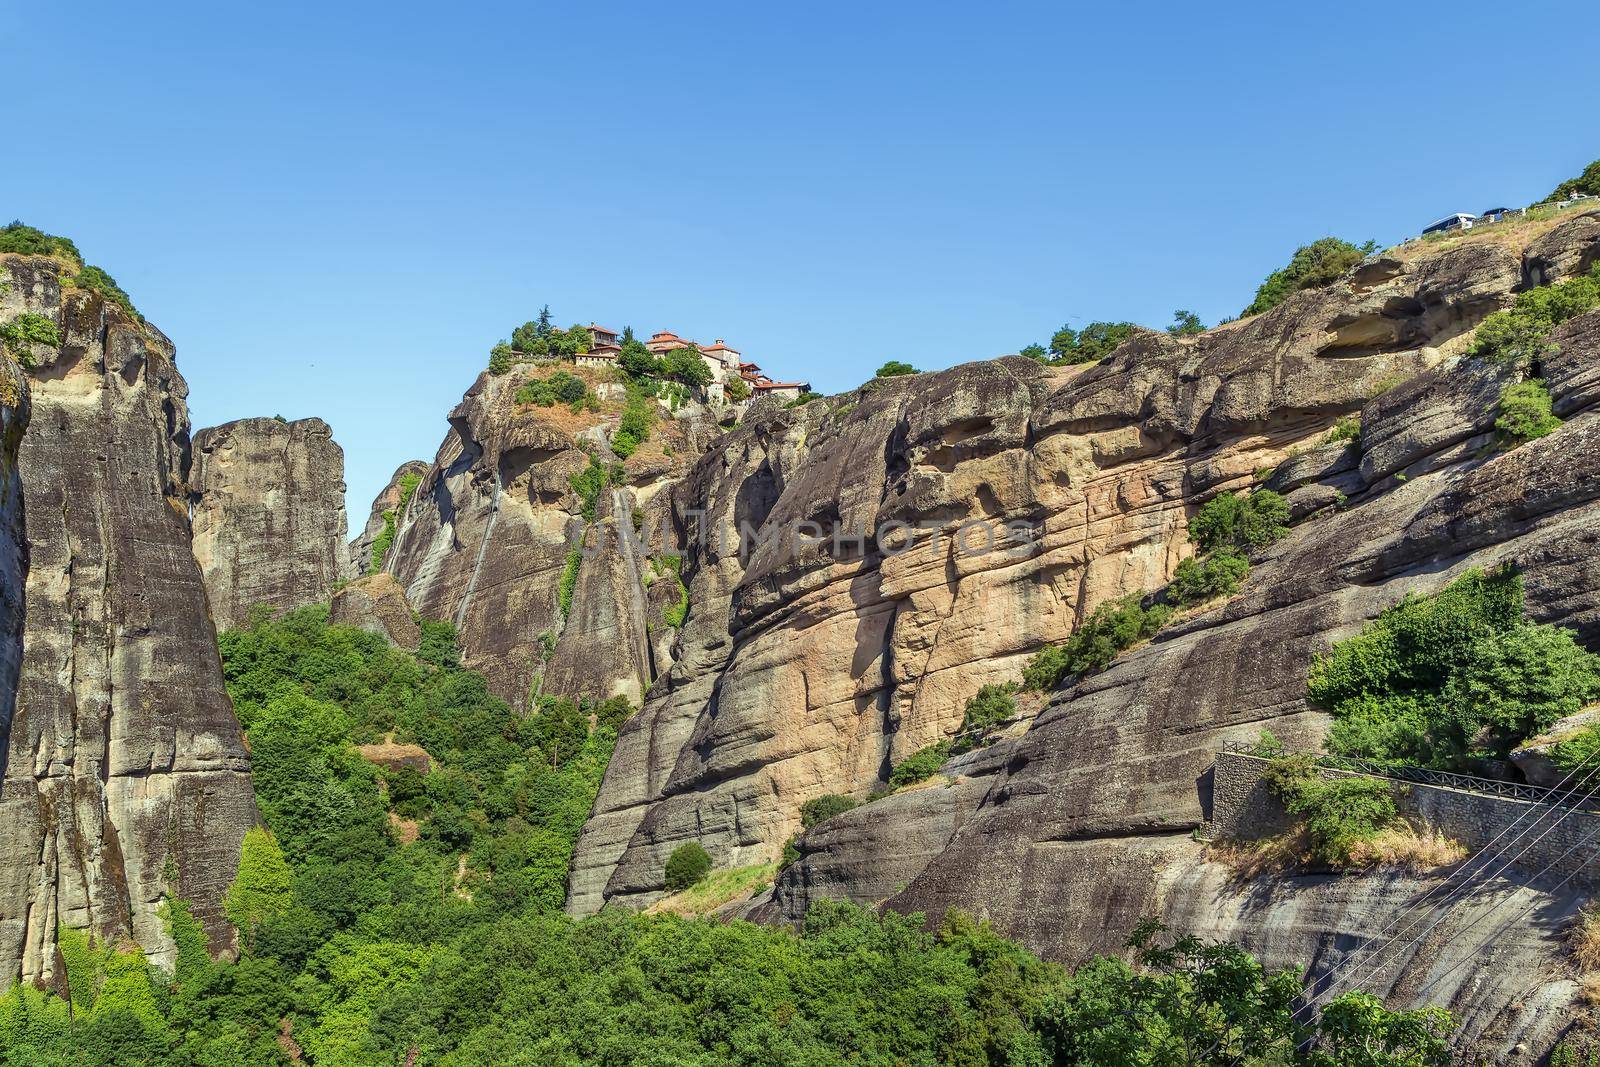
column 334, row 209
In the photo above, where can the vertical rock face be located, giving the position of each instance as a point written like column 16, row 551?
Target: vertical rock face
column 496, row 529
column 268, row 513
column 812, row 668
column 126, row 775
column 385, row 514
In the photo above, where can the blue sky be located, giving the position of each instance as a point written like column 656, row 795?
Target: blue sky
column 335, row 209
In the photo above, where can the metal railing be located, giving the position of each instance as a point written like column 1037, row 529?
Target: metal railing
column 1426, row 776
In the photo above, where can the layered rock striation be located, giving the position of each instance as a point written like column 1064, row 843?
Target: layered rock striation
column 126, row 776
column 267, row 500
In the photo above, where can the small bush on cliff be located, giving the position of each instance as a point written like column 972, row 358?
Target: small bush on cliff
column 1203, row 578
column 1228, row 520
column 1339, row 814
column 26, row 330
column 1525, row 413
column 1114, row 626
column 688, row 865
column 1521, row 334
column 1185, row 324
column 895, row 369
column 561, row 387
column 921, row 765
column 1313, row 266
column 1445, row 680
column 1346, row 430
column 823, row 808
column 988, row 708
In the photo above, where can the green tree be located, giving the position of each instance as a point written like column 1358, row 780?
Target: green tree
column 1588, row 182
column 688, row 865
column 1203, row 578
column 1185, row 324
column 1035, row 351
column 1114, row 626
column 895, row 368
column 1095, row 342
column 1313, row 266
column 1229, row 520
column 685, row 365
column 922, row 764
column 263, row 888
column 1520, row 335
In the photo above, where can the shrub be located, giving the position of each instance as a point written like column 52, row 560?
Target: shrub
column 1313, row 266
column 1520, row 334
column 688, row 865
column 989, row 707
column 1114, row 626
column 1095, row 342
column 1230, row 520
column 737, row 390
column 26, row 330
column 263, row 888
column 804, row 398
column 1347, row 429
column 1525, row 412
column 1444, row 679
column 1576, row 751
column 1200, row 579
column 1035, row 351
column 791, row 852
column 97, row 280
column 588, row 484
column 568, row 583
column 561, row 387
column 1338, row 814
column 895, row 369
column 921, row 765
column 823, row 808
column 633, row 429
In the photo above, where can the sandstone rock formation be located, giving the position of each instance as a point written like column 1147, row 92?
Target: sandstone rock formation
column 385, row 514
column 268, row 513
column 812, row 669
column 496, row 524
column 125, row 772
column 377, row 603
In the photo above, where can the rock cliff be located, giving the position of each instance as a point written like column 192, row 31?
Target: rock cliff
column 125, row 772
column 385, row 513
column 806, row 669
column 267, row 502
column 496, row 529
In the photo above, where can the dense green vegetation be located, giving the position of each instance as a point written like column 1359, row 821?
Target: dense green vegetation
column 1521, row 333
column 26, row 330
column 359, row 950
column 1588, row 182
column 638, row 419
column 1338, row 814
column 895, row 368
column 391, row 517
column 1313, row 266
column 1094, row 342
column 562, row 387
column 1525, row 412
column 590, row 482
column 1449, row 679
column 28, row 240
column 1113, row 627
column 539, row 339
column 1346, row 430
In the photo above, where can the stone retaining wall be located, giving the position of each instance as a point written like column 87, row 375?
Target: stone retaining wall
column 1244, row 809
